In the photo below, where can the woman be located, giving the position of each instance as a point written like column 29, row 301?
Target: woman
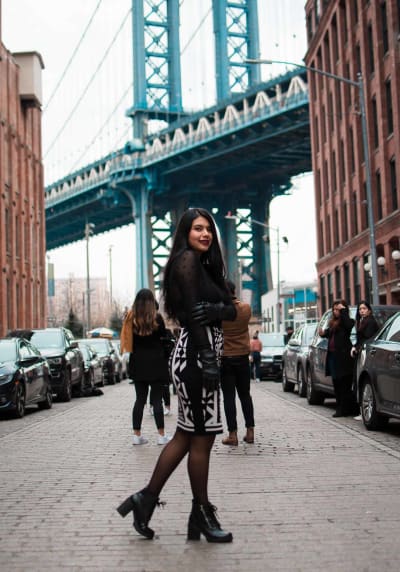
column 366, row 325
column 339, row 363
column 195, row 295
column 255, row 357
column 148, row 366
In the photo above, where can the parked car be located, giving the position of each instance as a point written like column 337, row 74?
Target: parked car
column 24, row 377
column 123, row 371
column 378, row 376
column 65, row 359
column 110, row 361
column 93, row 366
column 319, row 386
column 295, row 359
column 271, row 355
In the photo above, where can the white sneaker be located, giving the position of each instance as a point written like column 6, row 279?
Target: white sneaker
column 257, row 380
column 151, row 412
column 358, row 418
column 139, row 440
column 163, row 439
column 167, row 411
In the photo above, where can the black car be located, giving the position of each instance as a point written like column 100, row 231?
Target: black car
column 110, row 361
column 65, row 359
column 273, row 345
column 24, row 377
column 378, row 376
column 295, row 359
column 320, row 386
column 93, row 366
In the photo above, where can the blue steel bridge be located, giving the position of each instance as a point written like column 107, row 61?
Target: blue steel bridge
column 234, row 156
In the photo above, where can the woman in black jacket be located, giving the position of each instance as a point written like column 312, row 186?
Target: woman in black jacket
column 196, row 297
column 339, row 362
column 366, row 325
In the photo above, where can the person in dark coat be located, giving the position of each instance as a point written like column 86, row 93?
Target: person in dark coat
column 339, row 362
column 148, row 365
column 366, row 325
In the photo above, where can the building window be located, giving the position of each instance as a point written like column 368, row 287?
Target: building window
column 326, row 182
column 330, row 290
column 7, row 230
column 352, row 160
column 328, row 234
column 379, row 194
column 321, row 238
column 309, row 27
column 345, row 222
column 342, row 163
column 347, row 290
column 343, row 7
column 330, row 113
column 17, row 238
column 336, row 230
column 355, row 216
column 358, row 58
column 356, row 279
column 338, row 284
column 323, row 125
column 316, row 133
column 375, row 120
column 393, row 184
column 327, row 54
column 334, row 181
column 323, row 293
column 371, row 62
column 385, row 36
column 334, row 39
column 318, row 188
column 389, row 106
column 355, row 10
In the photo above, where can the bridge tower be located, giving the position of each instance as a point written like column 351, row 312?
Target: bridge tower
column 157, row 95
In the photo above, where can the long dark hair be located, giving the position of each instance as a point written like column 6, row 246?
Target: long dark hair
column 212, row 259
column 334, row 322
column 363, row 303
column 144, row 313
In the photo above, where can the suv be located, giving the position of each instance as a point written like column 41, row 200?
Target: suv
column 271, row 355
column 65, row 359
column 320, row 386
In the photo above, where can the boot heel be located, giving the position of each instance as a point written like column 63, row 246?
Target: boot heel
column 126, row 507
column 193, row 532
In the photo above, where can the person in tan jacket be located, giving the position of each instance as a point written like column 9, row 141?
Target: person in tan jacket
column 236, row 371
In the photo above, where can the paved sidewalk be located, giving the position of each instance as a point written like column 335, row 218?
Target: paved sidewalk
column 309, row 495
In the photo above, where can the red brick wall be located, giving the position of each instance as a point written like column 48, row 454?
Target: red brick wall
column 22, row 218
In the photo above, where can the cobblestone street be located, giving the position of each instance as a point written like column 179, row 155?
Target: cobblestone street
column 311, row 494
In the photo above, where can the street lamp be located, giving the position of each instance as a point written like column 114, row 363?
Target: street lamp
column 360, row 85
column 250, row 220
column 89, row 230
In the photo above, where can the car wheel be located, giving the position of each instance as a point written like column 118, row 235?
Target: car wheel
column 371, row 418
column 314, row 397
column 286, row 385
column 47, row 403
column 65, row 392
column 118, row 376
column 301, row 382
column 19, row 401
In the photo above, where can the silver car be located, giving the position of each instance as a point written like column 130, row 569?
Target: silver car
column 295, row 359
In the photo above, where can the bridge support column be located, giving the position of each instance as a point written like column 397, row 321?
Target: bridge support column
column 144, row 258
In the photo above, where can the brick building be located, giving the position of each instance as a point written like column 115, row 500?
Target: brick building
column 22, row 217
column 344, row 38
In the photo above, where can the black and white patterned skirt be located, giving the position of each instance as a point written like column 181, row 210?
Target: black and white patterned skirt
column 199, row 411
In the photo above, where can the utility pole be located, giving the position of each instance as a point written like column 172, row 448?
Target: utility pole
column 89, row 229
column 110, row 274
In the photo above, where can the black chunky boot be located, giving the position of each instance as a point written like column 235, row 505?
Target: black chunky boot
column 142, row 504
column 203, row 520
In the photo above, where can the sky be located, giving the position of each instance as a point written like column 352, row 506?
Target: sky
column 83, row 45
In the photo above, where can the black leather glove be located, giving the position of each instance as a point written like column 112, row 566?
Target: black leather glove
column 211, row 375
column 205, row 313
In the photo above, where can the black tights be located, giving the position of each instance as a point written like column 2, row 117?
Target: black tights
column 198, row 448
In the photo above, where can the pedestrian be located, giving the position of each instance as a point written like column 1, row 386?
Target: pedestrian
column 366, row 328
column 195, row 295
column 141, row 335
column 236, row 372
column 255, row 357
column 339, row 362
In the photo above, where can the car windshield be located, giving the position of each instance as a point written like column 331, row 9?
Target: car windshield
column 84, row 351
column 309, row 332
column 273, row 340
column 47, row 339
column 101, row 346
column 8, row 351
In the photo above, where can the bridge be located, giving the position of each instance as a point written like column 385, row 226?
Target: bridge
column 234, row 156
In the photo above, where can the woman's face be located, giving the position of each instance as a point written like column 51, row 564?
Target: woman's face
column 336, row 309
column 364, row 310
column 200, row 235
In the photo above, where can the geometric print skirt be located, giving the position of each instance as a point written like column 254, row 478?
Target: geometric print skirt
column 199, row 411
